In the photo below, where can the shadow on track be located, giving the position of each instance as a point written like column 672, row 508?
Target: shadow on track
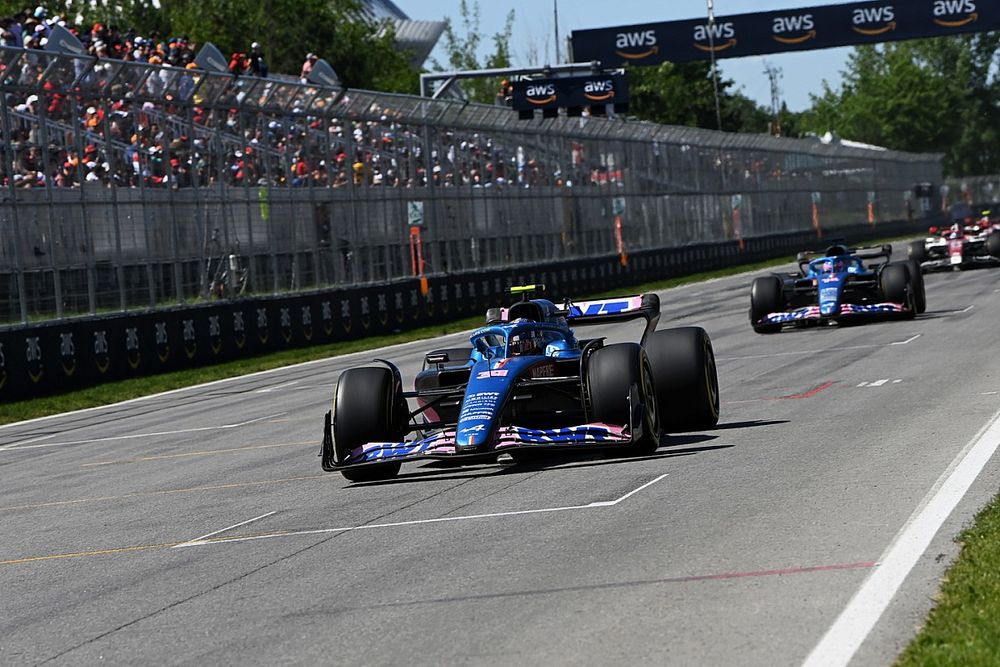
column 749, row 424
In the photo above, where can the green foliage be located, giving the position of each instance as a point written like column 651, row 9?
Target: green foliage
column 682, row 94
column 464, row 51
column 362, row 52
column 935, row 95
column 964, row 627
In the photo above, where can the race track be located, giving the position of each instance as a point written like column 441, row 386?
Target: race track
column 741, row 545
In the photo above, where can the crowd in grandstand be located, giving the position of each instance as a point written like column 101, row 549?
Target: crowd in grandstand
column 104, row 138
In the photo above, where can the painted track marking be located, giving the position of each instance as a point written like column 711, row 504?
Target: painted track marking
column 418, row 522
column 164, row 492
column 207, row 452
column 132, row 436
column 206, row 539
column 908, row 340
column 843, row 639
column 222, row 530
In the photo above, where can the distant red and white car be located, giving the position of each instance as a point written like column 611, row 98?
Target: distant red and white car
column 972, row 239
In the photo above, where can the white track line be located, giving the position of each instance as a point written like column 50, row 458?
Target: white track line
column 908, row 340
column 268, row 390
column 222, row 530
column 21, row 445
column 201, row 541
column 855, row 622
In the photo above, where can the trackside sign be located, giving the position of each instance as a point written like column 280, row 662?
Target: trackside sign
column 569, row 92
column 782, row 31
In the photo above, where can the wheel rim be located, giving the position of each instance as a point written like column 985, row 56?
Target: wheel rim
column 649, row 398
column 711, row 379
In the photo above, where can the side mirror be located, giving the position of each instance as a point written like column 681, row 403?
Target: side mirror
column 437, row 358
column 494, row 316
column 802, row 257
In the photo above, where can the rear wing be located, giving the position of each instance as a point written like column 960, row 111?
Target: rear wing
column 615, row 309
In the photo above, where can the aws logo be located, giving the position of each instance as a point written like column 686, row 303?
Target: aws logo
column 541, row 93
column 599, row 91
column 801, row 26
column 715, row 37
column 636, row 45
column 867, row 20
column 947, row 13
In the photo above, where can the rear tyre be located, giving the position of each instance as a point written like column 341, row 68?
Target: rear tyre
column 367, row 407
column 993, row 245
column 917, row 251
column 765, row 298
column 612, row 372
column 917, row 278
column 897, row 286
column 687, row 383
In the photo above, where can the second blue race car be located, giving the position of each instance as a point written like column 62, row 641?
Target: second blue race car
column 839, row 284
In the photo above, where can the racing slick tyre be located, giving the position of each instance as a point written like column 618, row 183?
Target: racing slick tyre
column 917, row 251
column 993, row 245
column 687, row 383
column 765, row 298
column 919, row 295
column 897, row 287
column 612, row 372
column 367, row 407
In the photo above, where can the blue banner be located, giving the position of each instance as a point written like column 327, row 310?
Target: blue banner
column 783, row 31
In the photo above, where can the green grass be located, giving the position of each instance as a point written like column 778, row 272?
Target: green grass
column 113, row 392
column 964, row 626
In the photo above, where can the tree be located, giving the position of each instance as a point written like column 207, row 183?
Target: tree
column 935, row 95
column 464, row 51
column 362, row 51
column 682, row 94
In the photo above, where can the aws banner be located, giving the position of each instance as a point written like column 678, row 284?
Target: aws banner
column 783, row 31
column 569, row 92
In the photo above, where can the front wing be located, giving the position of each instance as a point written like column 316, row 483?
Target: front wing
column 812, row 313
column 441, row 445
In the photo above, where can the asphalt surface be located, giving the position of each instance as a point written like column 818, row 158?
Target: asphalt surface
column 739, row 545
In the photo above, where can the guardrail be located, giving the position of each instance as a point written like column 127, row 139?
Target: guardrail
column 59, row 356
column 129, row 186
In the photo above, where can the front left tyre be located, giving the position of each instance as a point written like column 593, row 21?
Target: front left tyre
column 368, row 406
column 765, row 298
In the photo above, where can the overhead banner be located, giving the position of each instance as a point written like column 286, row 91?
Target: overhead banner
column 570, row 92
column 783, row 31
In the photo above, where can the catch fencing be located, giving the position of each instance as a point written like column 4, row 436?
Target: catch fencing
column 972, row 190
column 130, row 186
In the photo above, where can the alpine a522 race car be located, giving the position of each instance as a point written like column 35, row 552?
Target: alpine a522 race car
column 527, row 383
column 837, row 285
column 973, row 239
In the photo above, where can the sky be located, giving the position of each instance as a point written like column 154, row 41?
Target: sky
column 802, row 73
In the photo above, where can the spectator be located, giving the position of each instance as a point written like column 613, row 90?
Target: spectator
column 307, row 66
column 258, row 66
column 238, row 63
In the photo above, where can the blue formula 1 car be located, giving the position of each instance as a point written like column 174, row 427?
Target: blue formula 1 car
column 838, row 285
column 527, row 383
